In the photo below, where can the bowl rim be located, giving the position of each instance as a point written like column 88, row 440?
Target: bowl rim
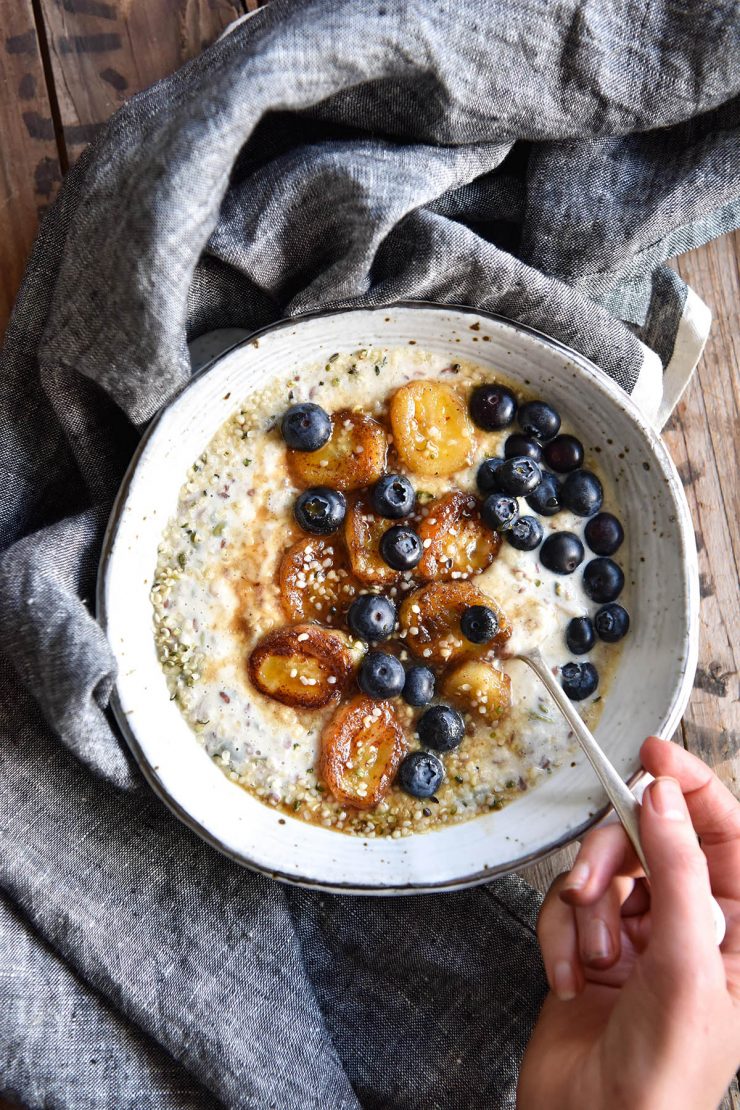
column 672, row 715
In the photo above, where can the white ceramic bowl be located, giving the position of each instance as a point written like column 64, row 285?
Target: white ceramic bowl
column 649, row 692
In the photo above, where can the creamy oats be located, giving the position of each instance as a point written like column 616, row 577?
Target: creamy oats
column 217, row 593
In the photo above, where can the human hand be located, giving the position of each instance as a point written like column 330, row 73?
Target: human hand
column 644, row 1009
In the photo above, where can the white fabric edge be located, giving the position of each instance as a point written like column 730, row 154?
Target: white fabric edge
column 691, row 337
column 236, row 23
column 648, row 389
column 657, row 391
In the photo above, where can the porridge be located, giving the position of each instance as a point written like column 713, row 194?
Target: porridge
column 353, row 562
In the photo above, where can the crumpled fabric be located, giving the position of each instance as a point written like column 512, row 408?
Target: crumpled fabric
column 541, row 161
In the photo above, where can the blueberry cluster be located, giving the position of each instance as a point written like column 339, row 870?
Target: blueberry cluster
column 566, row 485
column 372, row 618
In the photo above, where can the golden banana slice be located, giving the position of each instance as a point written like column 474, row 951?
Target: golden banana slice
column 480, row 688
column 361, row 749
column 303, row 666
column 459, row 544
column 430, row 618
column 431, row 428
column 316, row 583
column 363, row 531
column 353, row 457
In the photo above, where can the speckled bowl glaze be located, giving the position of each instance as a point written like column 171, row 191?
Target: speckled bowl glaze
column 649, row 691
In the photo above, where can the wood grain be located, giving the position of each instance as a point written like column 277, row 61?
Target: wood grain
column 703, row 440
column 104, row 52
column 29, row 164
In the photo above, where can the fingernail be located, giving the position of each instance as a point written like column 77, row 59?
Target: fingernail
column 666, row 798
column 578, row 876
column 598, row 944
column 564, row 980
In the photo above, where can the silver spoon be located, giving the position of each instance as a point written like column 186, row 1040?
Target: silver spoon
column 626, row 805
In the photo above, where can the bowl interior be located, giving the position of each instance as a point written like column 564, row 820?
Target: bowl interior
column 649, row 691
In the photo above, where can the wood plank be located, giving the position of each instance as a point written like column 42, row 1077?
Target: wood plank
column 29, row 164
column 104, row 51
column 702, row 438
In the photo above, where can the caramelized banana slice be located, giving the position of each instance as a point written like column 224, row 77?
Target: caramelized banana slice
column 353, row 457
column 363, row 531
column 459, row 543
column 304, row 666
column 361, row 749
column 481, row 688
column 315, row 581
column 430, row 617
column 431, row 428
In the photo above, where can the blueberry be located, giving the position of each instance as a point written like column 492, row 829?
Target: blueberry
column 421, row 774
column 518, row 476
column 381, row 675
column 579, row 680
column 612, row 623
column 393, row 496
column 580, row 636
column 499, row 511
column 565, row 453
column 479, row 624
column 372, row 617
column 562, row 552
column 486, row 477
column 525, row 533
column 441, row 728
column 603, row 580
column 401, row 547
column 418, row 689
column 306, row 427
column 320, row 510
column 492, row 407
column 540, row 420
column 604, row 534
column 545, row 500
column 518, row 445
column 581, row 492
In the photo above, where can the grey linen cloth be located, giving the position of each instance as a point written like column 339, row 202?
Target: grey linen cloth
column 538, row 159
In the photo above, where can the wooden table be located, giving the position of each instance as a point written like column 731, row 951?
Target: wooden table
column 66, row 65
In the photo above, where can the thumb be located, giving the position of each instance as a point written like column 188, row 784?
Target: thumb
column 682, row 926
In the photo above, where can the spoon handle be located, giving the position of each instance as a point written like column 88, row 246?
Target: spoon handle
column 626, row 805
column 621, row 797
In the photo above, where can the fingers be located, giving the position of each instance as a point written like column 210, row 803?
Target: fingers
column 681, row 928
column 601, row 888
column 589, row 911
column 599, row 926
column 715, row 813
column 604, row 853
column 558, row 937
column 638, row 902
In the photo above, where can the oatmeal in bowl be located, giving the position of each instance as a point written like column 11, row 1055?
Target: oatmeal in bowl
column 314, row 612
column 354, row 557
